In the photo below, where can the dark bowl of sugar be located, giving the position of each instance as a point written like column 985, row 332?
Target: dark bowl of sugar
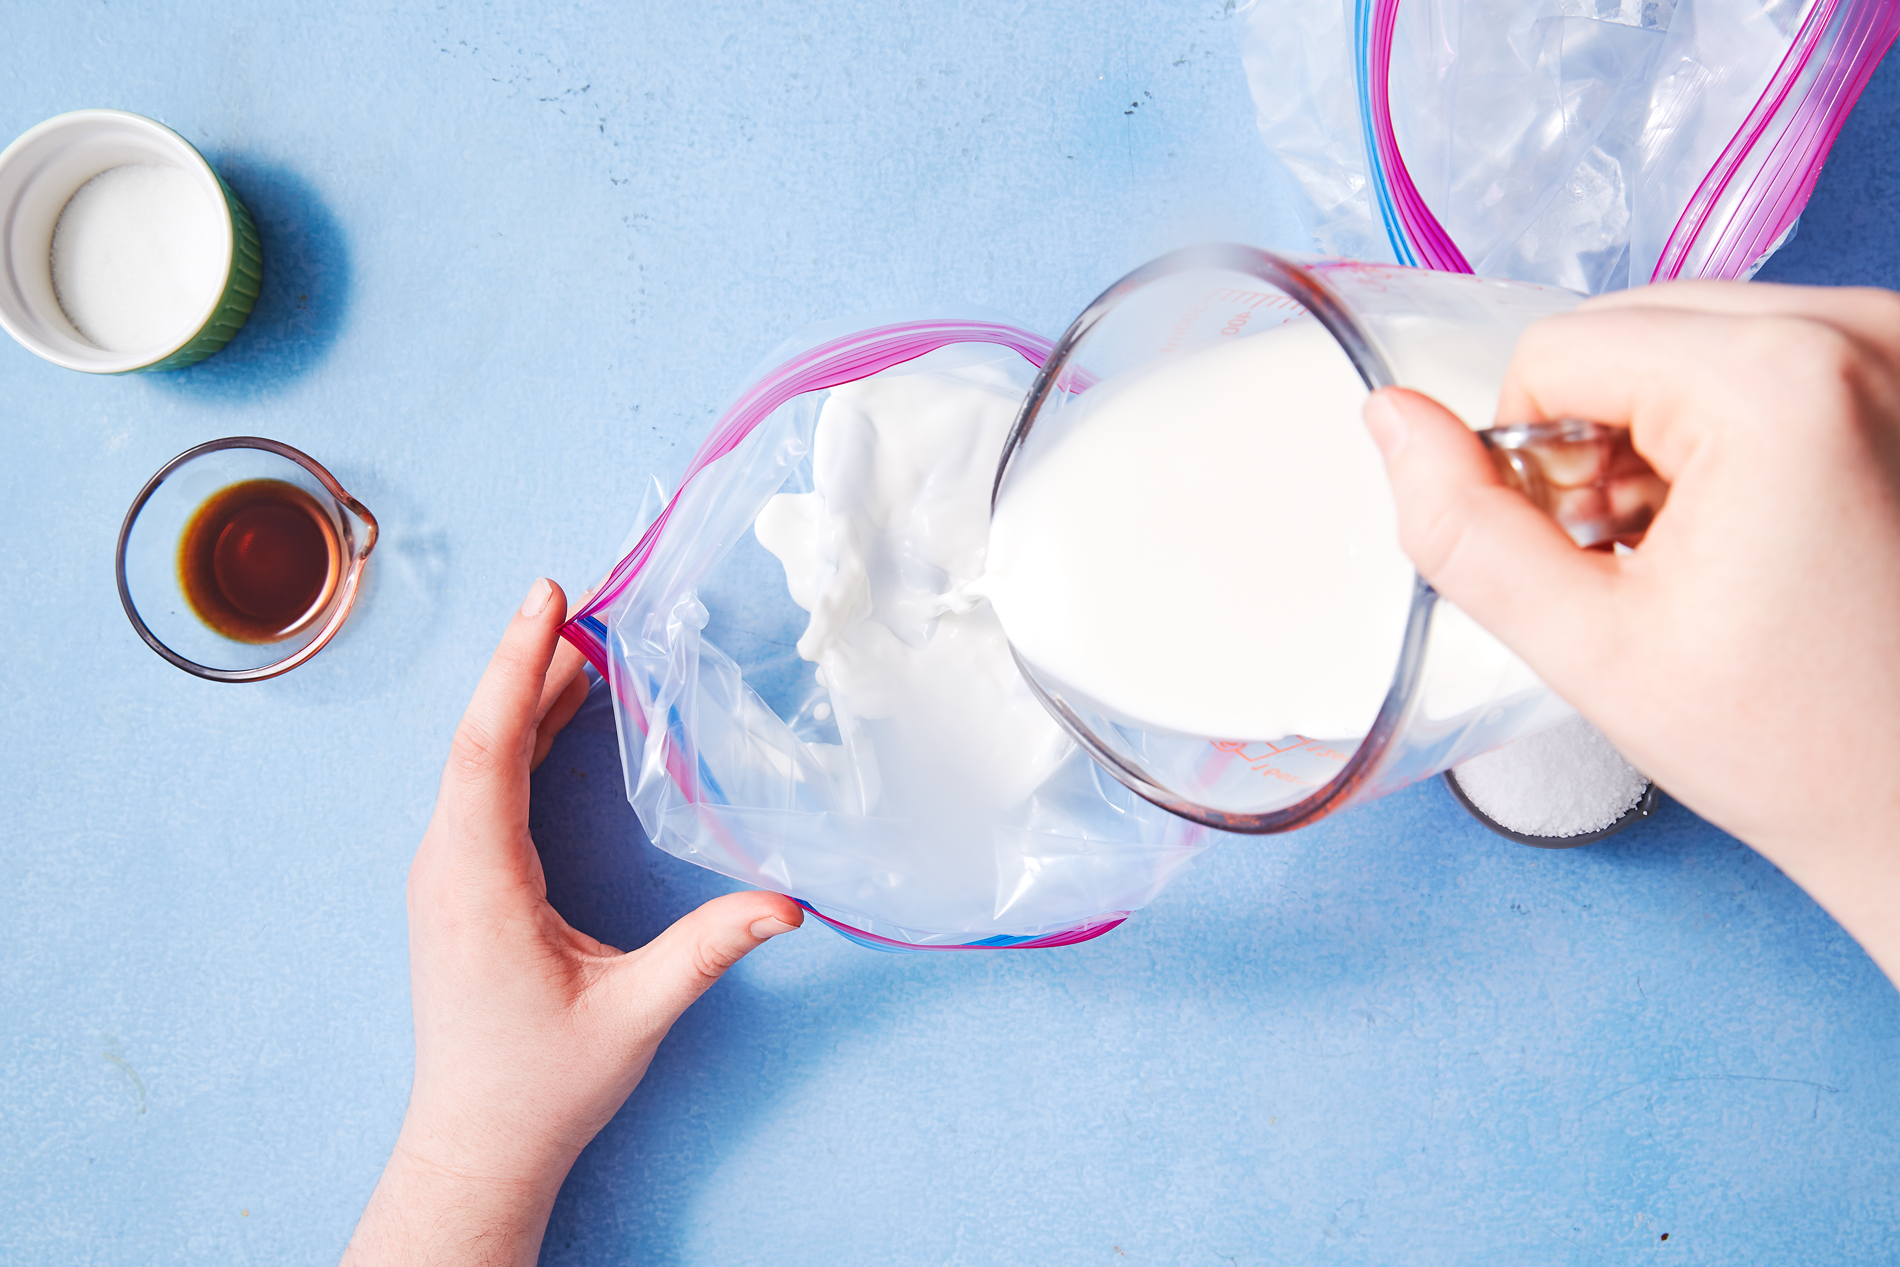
column 1556, row 789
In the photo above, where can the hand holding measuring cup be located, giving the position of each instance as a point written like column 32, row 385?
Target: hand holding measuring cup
column 1747, row 655
column 1195, row 559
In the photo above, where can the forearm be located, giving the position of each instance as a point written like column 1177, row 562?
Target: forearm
column 424, row 1213
column 1856, row 879
column 1826, row 813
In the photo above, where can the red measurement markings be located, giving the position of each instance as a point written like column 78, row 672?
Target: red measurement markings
column 1370, row 277
column 1256, row 302
column 1262, row 762
column 1252, row 299
column 1182, row 326
column 1244, row 306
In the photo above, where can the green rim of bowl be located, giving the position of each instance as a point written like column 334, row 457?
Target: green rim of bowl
column 241, row 286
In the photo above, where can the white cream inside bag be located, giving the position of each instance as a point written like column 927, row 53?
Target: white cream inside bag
column 833, row 717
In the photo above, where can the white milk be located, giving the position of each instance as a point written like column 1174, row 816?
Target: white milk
column 1211, row 548
column 138, row 256
column 921, row 680
column 1208, row 547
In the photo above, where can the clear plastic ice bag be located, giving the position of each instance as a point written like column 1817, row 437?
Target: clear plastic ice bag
column 1592, row 144
column 731, row 761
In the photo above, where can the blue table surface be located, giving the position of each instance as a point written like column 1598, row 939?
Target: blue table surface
column 516, row 260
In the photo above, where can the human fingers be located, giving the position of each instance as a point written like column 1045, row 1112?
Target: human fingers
column 565, row 692
column 657, row 982
column 1866, row 312
column 568, row 662
column 1688, row 382
column 567, row 665
column 488, row 762
column 1670, row 375
column 1480, row 544
column 560, row 710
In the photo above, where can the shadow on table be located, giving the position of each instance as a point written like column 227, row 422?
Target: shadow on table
column 305, row 293
column 1307, row 973
column 733, row 1056
column 1848, row 236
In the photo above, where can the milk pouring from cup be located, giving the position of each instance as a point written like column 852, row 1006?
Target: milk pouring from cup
column 1193, row 550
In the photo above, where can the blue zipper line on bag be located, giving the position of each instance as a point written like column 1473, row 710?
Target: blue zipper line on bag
column 886, row 946
column 1382, row 193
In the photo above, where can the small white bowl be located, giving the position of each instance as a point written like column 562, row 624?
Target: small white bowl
column 41, row 171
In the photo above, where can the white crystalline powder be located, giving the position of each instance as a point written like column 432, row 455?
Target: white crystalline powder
column 1564, row 781
column 138, row 256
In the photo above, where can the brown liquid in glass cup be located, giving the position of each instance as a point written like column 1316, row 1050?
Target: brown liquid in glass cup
column 259, row 560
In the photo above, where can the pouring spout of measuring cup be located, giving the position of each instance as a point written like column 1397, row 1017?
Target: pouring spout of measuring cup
column 1587, row 476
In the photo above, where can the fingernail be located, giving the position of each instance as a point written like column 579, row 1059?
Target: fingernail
column 770, row 926
column 537, row 600
column 1389, row 429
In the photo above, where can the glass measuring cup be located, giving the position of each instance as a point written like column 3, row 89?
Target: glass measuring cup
column 1455, row 691
column 152, row 573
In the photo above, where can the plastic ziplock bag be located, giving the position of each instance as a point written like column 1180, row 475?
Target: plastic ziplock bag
column 732, row 764
column 1593, row 144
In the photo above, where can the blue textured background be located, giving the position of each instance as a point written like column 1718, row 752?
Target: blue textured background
column 516, row 259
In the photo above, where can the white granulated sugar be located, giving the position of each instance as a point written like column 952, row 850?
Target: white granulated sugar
column 138, row 256
column 1564, row 781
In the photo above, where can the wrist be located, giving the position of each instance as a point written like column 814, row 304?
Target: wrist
column 1853, row 873
column 437, row 1203
column 487, row 1154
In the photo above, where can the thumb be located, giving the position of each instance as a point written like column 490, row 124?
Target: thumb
column 1480, row 544
column 661, row 980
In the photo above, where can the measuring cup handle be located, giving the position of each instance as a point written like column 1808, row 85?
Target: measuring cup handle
column 1585, row 475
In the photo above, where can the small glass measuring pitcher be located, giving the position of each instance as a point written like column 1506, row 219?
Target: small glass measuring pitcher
column 158, row 540
column 1456, row 691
